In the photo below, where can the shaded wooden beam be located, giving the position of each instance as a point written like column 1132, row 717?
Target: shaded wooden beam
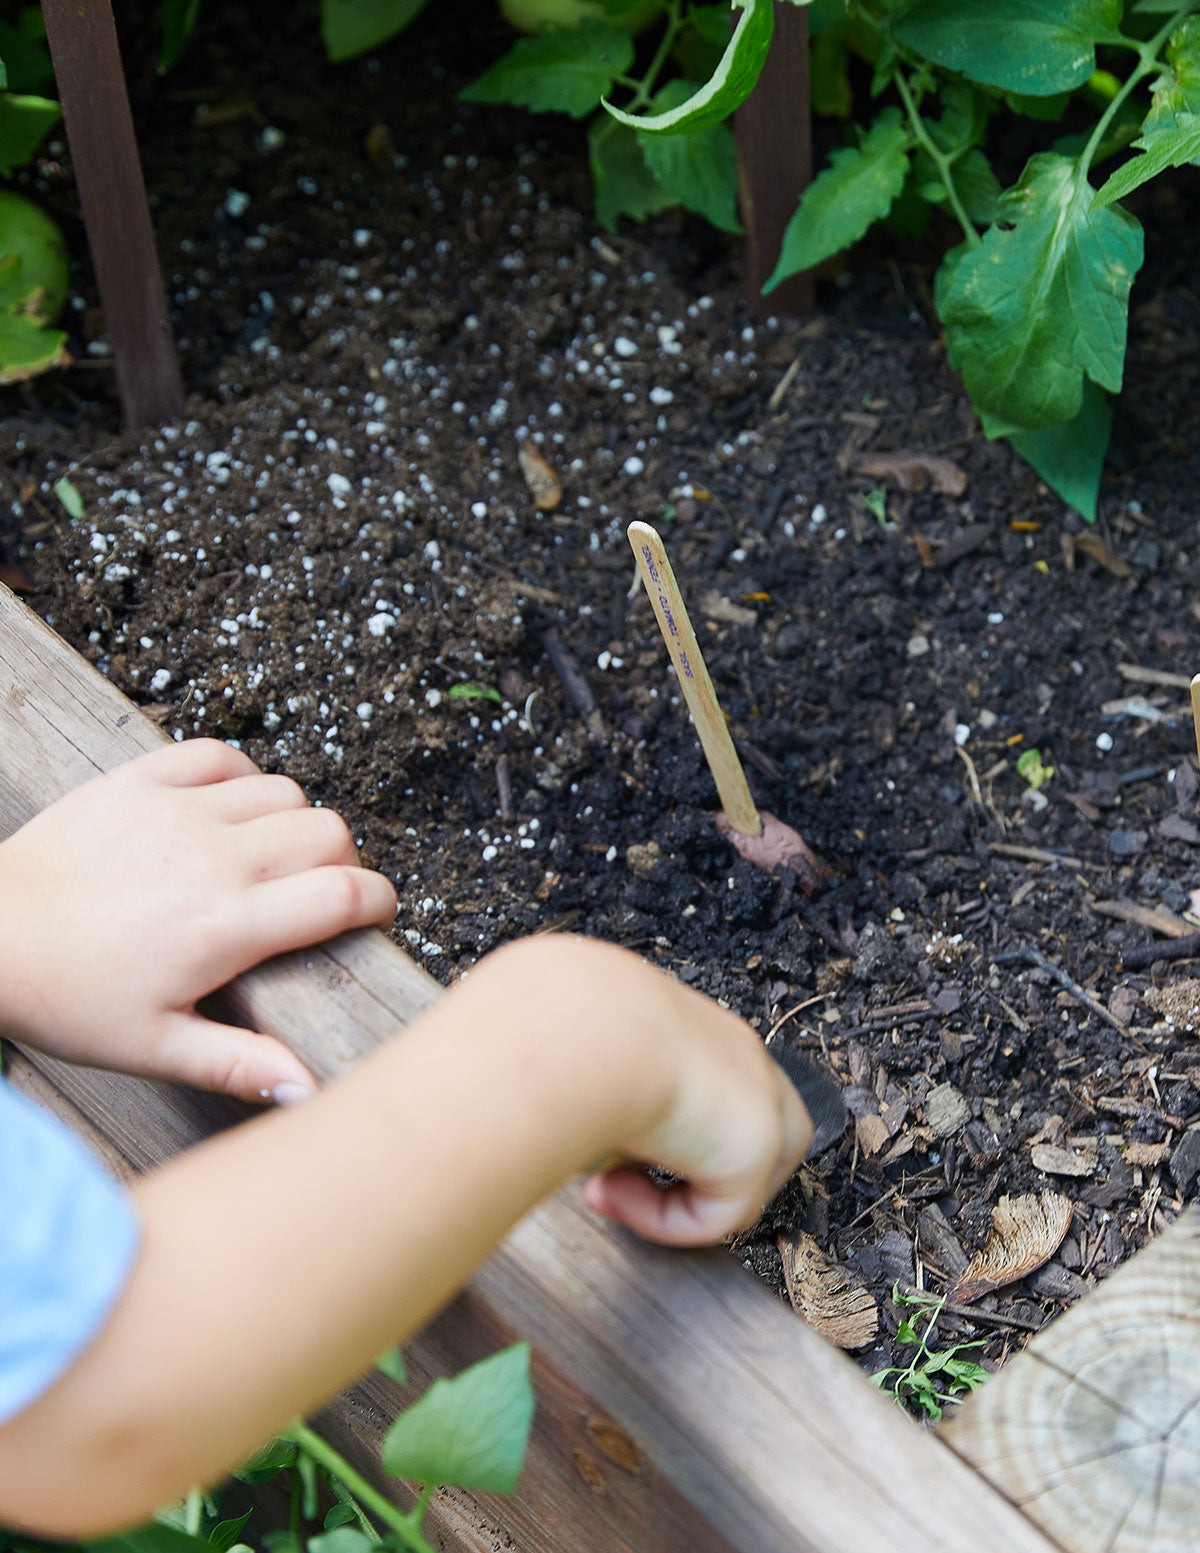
column 108, row 175
column 680, row 1406
column 1095, row 1429
column 774, row 152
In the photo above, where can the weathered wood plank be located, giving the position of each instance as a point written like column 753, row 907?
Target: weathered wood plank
column 748, row 1432
column 1095, row 1429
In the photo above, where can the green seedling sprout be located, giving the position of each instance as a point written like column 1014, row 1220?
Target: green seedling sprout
column 471, row 690
column 876, row 504
column 933, row 1377
column 1031, row 767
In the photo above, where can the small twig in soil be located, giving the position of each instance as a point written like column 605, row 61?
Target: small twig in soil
column 1150, row 954
column 504, row 790
column 986, row 1317
column 575, row 684
column 1032, row 956
column 1034, row 854
column 796, row 1008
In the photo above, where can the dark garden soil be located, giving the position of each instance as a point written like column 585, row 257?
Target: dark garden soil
column 378, row 294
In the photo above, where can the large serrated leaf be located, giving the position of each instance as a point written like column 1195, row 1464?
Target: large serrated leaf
column 1070, row 456
column 625, row 186
column 567, row 71
column 1043, row 299
column 728, row 86
column 857, row 188
column 1170, row 146
column 471, row 1431
column 700, row 169
column 353, row 27
column 1032, row 46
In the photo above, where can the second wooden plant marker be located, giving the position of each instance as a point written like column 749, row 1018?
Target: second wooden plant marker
column 757, row 835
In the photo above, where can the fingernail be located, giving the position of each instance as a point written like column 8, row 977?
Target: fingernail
column 292, row 1094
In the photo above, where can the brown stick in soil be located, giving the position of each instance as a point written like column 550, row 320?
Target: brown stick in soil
column 91, row 84
column 575, row 684
column 1150, row 954
column 1033, row 956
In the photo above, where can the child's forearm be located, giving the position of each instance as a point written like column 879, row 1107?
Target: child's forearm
column 280, row 1258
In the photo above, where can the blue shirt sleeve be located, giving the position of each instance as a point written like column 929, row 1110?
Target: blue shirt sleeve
column 68, row 1237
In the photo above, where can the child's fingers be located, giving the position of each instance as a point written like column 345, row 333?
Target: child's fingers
column 249, row 796
column 296, row 839
column 230, row 1061
column 196, row 763
column 678, row 1215
column 308, row 907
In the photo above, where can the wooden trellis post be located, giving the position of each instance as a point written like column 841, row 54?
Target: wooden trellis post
column 91, row 86
column 774, row 150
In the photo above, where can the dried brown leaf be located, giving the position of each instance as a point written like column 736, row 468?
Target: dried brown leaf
column 872, row 1134
column 912, row 471
column 543, row 483
column 16, row 578
column 718, row 608
column 1026, row 1232
column 1092, row 545
column 833, row 1302
column 1057, row 1161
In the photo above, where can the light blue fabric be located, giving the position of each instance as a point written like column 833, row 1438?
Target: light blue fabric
column 68, row 1235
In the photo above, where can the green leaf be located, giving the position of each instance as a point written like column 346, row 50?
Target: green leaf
column 1070, row 456
column 567, row 71
column 857, row 188
column 353, row 27
column 1177, row 89
column 470, row 690
column 23, row 49
column 1161, row 148
column 1043, row 299
column 151, row 1538
column 342, row 1539
column 72, row 505
column 728, row 86
column 179, row 17
column 1032, row 46
column 977, row 185
column 225, row 1533
column 625, row 186
column 470, row 1431
column 392, row 1361
column 273, row 1457
column 699, row 170
column 339, row 1515
column 27, row 348
column 24, row 123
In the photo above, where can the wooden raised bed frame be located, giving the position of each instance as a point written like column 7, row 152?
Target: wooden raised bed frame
column 681, row 1409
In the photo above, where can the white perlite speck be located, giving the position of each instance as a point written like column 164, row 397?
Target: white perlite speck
column 379, row 623
column 338, row 485
column 633, row 465
column 160, row 679
column 624, row 346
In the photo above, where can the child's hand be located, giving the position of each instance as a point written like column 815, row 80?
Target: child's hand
column 661, row 1074
column 144, row 890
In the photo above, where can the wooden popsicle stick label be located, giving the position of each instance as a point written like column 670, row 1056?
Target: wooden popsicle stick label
column 1196, row 711
column 695, row 682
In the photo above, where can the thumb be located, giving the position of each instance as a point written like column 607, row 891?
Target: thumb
column 231, row 1061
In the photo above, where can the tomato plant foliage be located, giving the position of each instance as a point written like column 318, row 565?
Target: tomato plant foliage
column 1034, row 297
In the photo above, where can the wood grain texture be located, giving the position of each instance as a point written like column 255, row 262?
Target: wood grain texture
column 773, row 128
column 680, row 1407
column 1095, row 1429
column 108, row 173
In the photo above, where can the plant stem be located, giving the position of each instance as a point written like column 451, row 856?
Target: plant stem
column 406, row 1525
column 942, row 160
column 193, row 1507
column 1147, row 60
column 644, row 89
